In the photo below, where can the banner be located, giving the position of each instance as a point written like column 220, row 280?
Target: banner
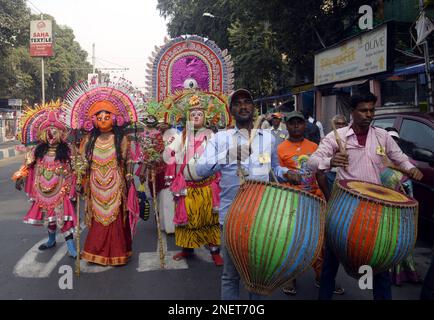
column 41, row 38
column 357, row 57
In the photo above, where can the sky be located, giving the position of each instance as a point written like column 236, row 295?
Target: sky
column 124, row 32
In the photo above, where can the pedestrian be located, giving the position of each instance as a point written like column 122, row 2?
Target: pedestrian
column 293, row 154
column 312, row 131
column 362, row 159
column 196, row 199
column 112, row 206
column 311, row 119
column 47, row 173
column 279, row 134
column 235, row 154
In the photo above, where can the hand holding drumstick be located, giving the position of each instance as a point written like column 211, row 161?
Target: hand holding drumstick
column 340, row 159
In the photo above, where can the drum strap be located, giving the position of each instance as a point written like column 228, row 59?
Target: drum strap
column 241, row 173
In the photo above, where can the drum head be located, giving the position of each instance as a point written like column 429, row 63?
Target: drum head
column 376, row 193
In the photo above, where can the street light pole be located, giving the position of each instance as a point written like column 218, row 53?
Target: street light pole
column 427, row 66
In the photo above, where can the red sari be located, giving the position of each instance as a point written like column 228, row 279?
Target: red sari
column 109, row 240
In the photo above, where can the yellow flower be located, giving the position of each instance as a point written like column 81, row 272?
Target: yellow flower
column 194, row 101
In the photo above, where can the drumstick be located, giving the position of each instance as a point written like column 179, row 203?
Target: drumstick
column 338, row 138
column 255, row 128
column 338, row 141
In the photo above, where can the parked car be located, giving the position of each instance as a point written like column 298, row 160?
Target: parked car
column 416, row 130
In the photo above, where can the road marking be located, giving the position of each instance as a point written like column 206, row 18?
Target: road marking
column 150, row 261
column 28, row 267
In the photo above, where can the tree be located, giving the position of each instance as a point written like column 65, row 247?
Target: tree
column 13, row 18
column 275, row 38
column 21, row 74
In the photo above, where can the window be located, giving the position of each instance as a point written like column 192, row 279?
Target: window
column 384, row 123
column 417, row 133
column 398, row 92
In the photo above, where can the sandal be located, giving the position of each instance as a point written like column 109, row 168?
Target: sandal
column 290, row 291
column 339, row 290
column 182, row 255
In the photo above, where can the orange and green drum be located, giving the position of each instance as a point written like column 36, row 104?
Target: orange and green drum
column 368, row 224
column 273, row 233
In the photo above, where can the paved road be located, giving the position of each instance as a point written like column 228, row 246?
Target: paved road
column 26, row 273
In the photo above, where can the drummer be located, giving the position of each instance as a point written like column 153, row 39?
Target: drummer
column 293, row 154
column 364, row 148
column 231, row 153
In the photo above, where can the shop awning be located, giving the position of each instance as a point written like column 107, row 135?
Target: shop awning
column 415, row 69
column 349, row 84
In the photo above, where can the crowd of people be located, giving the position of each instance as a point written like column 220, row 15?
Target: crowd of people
column 198, row 188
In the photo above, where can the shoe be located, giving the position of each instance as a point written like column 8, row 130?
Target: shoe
column 46, row 246
column 290, row 291
column 339, row 290
column 218, row 260
column 182, row 255
column 50, row 243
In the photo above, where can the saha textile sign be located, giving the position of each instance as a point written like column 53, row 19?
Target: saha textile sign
column 360, row 56
column 41, row 38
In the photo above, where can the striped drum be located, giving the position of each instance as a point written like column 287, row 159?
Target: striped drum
column 273, row 233
column 368, row 224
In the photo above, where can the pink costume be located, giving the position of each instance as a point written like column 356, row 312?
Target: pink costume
column 49, row 183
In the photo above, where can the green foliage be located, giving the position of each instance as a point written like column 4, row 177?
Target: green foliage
column 20, row 74
column 272, row 42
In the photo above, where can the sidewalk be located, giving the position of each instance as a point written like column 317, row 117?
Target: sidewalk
column 8, row 149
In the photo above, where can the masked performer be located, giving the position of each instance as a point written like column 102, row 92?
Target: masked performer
column 197, row 200
column 47, row 173
column 111, row 200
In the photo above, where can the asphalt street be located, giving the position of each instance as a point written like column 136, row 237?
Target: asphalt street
column 27, row 273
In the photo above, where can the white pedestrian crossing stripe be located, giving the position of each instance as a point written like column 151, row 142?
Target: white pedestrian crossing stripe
column 29, row 267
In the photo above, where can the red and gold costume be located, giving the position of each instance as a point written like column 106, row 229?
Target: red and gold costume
column 110, row 196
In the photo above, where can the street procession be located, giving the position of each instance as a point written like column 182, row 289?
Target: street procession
column 203, row 183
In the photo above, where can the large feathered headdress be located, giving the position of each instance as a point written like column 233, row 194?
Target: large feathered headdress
column 119, row 97
column 36, row 120
column 215, row 106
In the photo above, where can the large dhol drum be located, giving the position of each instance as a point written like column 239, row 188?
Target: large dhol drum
column 273, row 233
column 368, row 224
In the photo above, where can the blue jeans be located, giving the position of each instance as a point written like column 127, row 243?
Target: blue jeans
column 382, row 284
column 331, row 177
column 230, row 281
column 427, row 292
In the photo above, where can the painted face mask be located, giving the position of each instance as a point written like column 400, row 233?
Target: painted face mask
column 104, row 121
column 53, row 136
column 198, row 118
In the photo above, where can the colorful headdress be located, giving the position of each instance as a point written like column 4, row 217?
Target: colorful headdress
column 189, row 62
column 36, row 120
column 215, row 106
column 120, row 98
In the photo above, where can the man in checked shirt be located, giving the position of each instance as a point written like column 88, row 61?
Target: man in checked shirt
column 365, row 147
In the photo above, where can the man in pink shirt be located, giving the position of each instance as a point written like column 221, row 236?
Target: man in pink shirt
column 362, row 159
